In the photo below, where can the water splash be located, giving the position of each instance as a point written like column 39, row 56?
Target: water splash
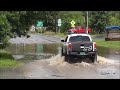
column 103, row 60
column 57, row 60
column 84, row 64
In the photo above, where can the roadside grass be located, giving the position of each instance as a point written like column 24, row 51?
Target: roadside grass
column 108, row 44
column 8, row 63
column 93, row 36
column 5, row 54
column 6, row 60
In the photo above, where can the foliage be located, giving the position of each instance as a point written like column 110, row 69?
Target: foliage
column 68, row 16
column 17, row 23
column 98, row 20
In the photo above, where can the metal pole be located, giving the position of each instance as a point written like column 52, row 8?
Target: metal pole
column 87, row 21
column 59, row 29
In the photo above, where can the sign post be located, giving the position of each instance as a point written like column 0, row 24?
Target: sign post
column 87, row 22
column 59, row 24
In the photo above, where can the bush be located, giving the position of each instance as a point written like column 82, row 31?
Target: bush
column 5, row 55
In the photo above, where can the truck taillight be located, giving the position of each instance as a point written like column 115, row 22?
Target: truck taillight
column 69, row 45
column 94, row 44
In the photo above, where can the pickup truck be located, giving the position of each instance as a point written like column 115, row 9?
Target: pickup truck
column 79, row 45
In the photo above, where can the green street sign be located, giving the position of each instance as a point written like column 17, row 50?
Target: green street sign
column 40, row 24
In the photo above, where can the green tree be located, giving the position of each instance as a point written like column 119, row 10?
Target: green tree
column 5, row 29
column 68, row 16
column 98, row 20
column 114, row 18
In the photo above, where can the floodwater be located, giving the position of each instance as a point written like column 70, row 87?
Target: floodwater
column 44, row 62
column 33, row 51
column 44, row 51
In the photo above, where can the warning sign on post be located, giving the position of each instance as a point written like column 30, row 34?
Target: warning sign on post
column 72, row 23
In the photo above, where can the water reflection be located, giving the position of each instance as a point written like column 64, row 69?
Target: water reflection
column 44, row 51
column 33, row 51
column 108, row 53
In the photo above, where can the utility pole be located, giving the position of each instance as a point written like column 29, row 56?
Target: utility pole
column 86, row 21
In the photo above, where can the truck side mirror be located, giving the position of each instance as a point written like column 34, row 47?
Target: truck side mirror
column 62, row 40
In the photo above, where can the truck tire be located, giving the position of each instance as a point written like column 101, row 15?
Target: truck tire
column 67, row 58
column 62, row 52
column 94, row 58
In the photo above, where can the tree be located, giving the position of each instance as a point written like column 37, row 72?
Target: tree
column 52, row 17
column 68, row 16
column 5, row 29
column 114, row 18
column 98, row 20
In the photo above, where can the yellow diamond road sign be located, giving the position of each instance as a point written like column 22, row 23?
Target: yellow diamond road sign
column 72, row 23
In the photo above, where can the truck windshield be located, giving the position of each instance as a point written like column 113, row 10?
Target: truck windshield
column 79, row 38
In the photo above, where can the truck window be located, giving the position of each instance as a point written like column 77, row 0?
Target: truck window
column 79, row 38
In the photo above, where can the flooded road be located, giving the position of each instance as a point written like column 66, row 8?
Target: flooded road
column 57, row 68
column 44, row 51
column 43, row 61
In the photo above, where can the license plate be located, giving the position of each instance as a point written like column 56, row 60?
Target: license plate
column 82, row 53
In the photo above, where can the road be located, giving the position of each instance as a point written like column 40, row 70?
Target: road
column 35, row 38
column 56, row 68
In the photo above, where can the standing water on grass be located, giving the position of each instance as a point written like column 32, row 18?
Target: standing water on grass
column 43, row 51
column 33, row 51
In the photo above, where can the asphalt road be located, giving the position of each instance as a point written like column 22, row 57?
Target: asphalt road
column 35, row 38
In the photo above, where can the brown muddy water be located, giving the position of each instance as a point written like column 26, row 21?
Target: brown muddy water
column 43, row 61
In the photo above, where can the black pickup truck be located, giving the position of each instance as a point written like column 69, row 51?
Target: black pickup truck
column 79, row 45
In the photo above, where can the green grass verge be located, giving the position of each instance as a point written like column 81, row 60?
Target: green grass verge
column 8, row 63
column 108, row 44
column 6, row 60
column 5, row 54
column 93, row 36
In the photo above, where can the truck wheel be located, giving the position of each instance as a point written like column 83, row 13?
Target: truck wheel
column 94, row 58
column 62, row 52
column 67, row 58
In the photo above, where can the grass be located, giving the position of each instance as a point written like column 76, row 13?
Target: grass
column 6, row 59
column 8, row 63
column 108, row 44
column 93, row 36
column 5, row 55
